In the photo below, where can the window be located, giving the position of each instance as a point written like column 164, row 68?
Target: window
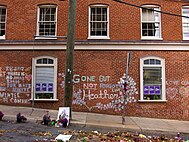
column 152, row 79
column 150, row 25
column 44, row 78
column 185, row 23
column 47, row 20
column 98, row 22
column 2, row 22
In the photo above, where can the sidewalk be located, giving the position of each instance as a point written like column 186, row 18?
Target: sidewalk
column 133, row 124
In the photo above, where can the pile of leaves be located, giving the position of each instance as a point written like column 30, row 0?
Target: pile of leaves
column 117, row 136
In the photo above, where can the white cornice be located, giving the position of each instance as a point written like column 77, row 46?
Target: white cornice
column 96, row 46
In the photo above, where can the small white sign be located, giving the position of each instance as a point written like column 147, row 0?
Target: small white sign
column 64, row 111
column 64, row 138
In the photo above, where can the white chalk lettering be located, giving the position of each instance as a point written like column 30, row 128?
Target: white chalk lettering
column 89, row 86
column 77, row 78
column 100, row 95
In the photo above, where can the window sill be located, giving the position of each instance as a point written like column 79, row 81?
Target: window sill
column 152, row 101
column 45, row 37
column 2, row 37
column 185, row 38
column 151, row 38
column 98, row 37
column 49, row 100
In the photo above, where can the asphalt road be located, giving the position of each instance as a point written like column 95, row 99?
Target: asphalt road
column 10, row 131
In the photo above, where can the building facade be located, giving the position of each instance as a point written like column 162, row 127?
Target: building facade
column 155, row 34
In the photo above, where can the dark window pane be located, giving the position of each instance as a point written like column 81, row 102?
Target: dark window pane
column 152, row 61
column 148, row 29
column 3, row 12
column 2, row 21
column 2, row 32
column 47, row 17
column 152, row 97
column 41, row 15
column 158, row 62
column 92, row 11
column 47, row 28
column 151, row 26
column 39, row 61
column 44, row 60
column 99, row 18
column 150, row 33
column 99, row 11
column 146, row 61
column 104, row 33
column 2, row 18
column 152, row 75
column 104, row 11
column 93, row 33
column 144, row 26
column 44, row 95
column 2, row 26
column 50, row 61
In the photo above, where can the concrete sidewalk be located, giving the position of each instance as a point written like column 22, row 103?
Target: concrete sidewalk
column 133, row 124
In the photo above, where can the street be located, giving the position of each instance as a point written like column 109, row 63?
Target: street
column 11, row 131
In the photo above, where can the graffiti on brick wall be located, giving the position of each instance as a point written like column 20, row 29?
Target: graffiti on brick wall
column 100, row 90
column 177, row 88
column 15, row 86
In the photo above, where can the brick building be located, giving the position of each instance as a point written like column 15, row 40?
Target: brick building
column 32, row 55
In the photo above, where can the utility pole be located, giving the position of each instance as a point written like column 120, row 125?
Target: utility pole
column 68, row 91
column 125, row 84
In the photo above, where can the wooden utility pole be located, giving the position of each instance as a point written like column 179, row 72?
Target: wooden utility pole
column 125, row 87
column 68, row 91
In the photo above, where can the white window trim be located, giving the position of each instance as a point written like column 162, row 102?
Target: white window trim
column 89, row 18
column 184, row 38
column 163, row 78
column 34, row 64
column 37, row 32
column 3, row 37
column 160, row 29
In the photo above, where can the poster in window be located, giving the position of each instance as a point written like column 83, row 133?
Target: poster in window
column 157, row 90
column 146, row 90
column 37, row 86
column 152, row 90
column 50, row 87
column 44, row 86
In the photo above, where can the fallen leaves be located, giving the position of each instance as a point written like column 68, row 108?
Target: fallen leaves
column 117, row 136
column 48, row 134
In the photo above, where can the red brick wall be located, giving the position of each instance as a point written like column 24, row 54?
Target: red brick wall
column 104, row 68
column 98, row 66
column 124, row 20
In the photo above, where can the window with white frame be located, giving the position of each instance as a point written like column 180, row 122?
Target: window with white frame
column 44, row 78
column 47, row 20
column 185, row 22
column 98, row 22
column 152, row 79
column 2, row 22
column 150, row 22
